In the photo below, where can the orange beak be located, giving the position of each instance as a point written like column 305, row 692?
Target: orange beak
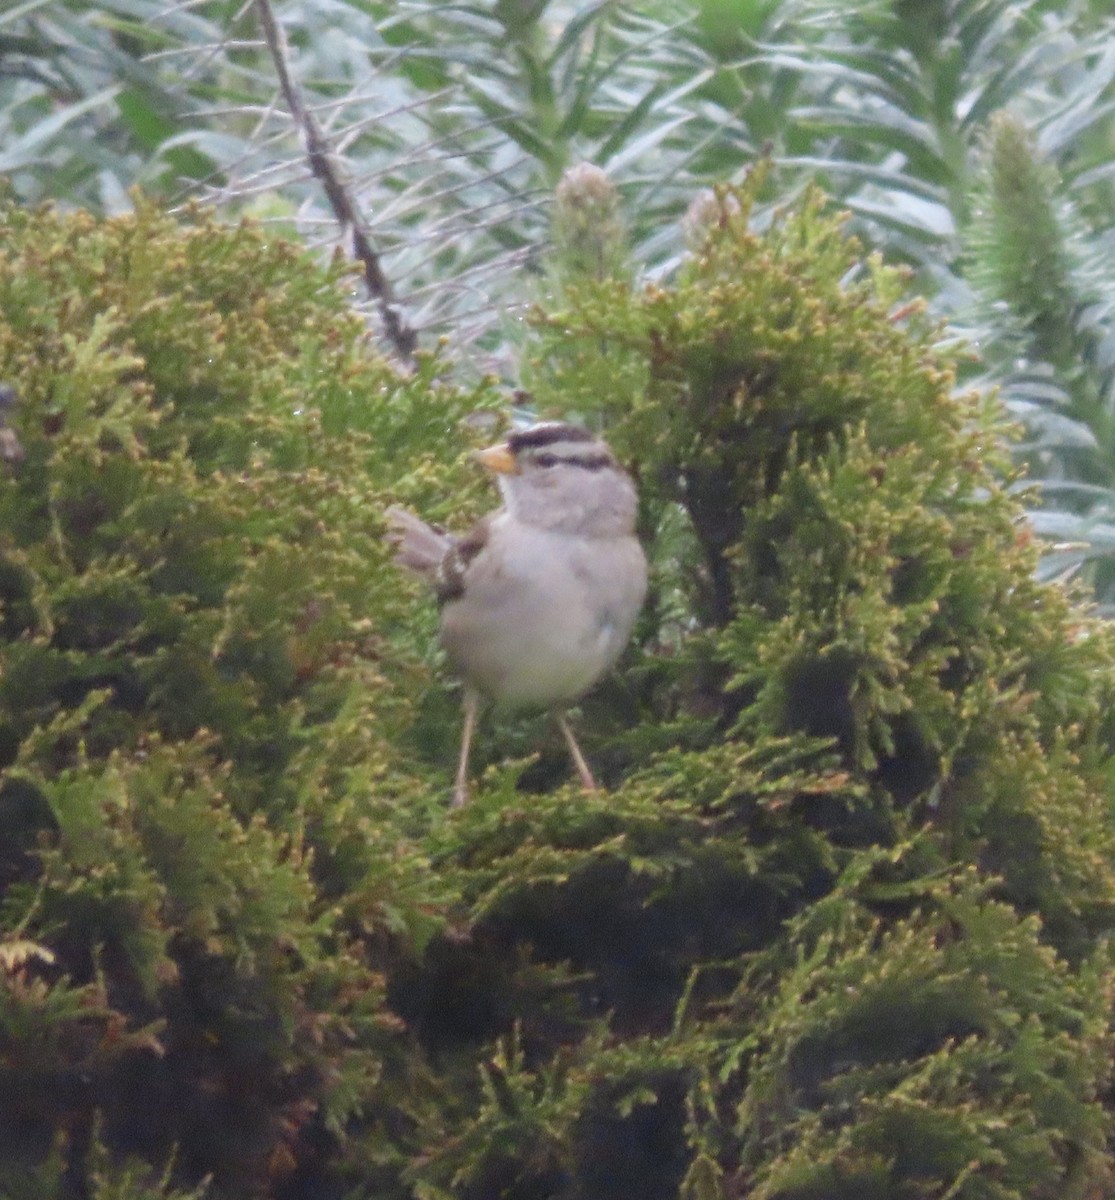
column 498, row 459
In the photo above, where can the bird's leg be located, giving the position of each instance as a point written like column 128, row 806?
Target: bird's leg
column 587, row 781
column 460, row 785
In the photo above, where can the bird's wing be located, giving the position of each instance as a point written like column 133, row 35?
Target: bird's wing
column 449, row 582
column 438, row 557
column 418, row 547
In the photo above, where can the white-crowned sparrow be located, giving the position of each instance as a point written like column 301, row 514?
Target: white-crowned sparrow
column 538, row 601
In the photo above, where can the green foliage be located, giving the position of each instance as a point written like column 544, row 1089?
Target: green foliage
column 838, row 925
column 941, row 1047
column 1042, row 272
column 84, row 112
column 191, row 557
column 456, row 122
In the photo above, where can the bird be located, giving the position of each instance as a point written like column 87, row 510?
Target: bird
column 539, row 599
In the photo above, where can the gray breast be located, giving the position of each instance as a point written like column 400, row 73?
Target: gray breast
column 544, row 614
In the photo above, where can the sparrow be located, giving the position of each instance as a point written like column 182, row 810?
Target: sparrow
column 539, row 599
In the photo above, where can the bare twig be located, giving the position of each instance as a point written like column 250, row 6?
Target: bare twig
column 399, row 333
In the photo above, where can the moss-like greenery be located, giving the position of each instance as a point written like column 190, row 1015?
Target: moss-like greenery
column 837, row 927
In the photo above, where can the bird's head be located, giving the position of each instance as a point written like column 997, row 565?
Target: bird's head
column 559, row 476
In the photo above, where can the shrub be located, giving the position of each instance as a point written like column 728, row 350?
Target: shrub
column 207, row 671
column 836, row 927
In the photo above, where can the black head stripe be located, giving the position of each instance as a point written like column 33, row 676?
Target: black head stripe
column 590, row 462
column 534, row 437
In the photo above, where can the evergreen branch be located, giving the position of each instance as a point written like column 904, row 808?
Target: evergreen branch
column 398, row 331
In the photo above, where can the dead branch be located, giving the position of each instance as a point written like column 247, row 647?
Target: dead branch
column 398, row 332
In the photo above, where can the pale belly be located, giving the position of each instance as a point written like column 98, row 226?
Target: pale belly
column 545, row 634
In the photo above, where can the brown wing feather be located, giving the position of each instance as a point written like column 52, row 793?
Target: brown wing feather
column 449, row 580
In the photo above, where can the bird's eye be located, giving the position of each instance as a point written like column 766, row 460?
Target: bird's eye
column 546, row 460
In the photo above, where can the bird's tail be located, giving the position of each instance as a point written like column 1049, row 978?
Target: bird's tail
column 418, row 546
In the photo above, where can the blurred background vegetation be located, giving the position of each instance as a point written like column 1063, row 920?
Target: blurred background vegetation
column 840, row 925
column 971, row 139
